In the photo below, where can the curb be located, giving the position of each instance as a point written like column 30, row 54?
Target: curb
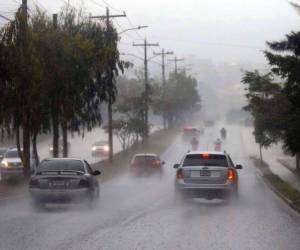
column 278, row 193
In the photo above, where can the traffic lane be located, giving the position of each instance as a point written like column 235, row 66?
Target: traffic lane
column 258, row 220
column 56, row 227
column 140, row 213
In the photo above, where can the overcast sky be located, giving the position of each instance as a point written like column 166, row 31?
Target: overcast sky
column 218, row 31
column 223, row 31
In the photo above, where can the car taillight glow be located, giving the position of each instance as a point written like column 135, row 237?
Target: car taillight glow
column 179, row 174
column 205, row 155
column 230, row 174
column 156, row 163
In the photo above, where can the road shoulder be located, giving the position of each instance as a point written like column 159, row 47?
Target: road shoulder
column 281, row 188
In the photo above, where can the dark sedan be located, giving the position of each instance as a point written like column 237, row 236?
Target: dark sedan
column 58, row 180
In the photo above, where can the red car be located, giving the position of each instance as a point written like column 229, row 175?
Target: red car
column 189, row 133
column 142, row 164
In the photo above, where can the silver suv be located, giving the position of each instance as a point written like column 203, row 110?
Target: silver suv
column 206, row 174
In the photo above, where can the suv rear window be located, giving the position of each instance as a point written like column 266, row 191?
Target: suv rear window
column 12, row 154
column 145, row 158
column 207, row 160
column 61, row 165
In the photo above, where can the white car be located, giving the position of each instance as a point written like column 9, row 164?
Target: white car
column 100, row 148
column 11, row 165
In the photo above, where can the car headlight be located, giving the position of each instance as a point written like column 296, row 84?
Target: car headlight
column 94, row 148
column 106, row 148
column 4, row 164
column 51, row 148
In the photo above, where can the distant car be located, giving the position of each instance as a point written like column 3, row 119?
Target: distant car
column 189, row 133
column 11, row 165
column 60, row 147
column 58, row 180
column 100, row 148
column 206, row 174
column 2, row 152
column 143, row 164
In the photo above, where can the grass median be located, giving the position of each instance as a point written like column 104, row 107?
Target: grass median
column 157, row 143
column 282, row 188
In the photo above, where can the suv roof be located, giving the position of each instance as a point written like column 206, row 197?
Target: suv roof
column 205, row 152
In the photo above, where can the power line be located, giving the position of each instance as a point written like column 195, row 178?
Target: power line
column 6, row 18
column 98, row 4
column 209, row 43
column 112, row 7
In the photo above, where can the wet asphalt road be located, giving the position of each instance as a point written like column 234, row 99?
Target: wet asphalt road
column 140, row 213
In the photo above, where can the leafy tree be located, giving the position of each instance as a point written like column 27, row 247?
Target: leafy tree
column 268, row 106
column 285, row 63
column 21, row 87
column 181, row 95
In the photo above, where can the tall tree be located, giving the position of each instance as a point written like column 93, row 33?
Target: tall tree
column 284, row 57
column 268, row 106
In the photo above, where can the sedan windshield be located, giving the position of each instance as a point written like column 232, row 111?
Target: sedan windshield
column 210, row 160
column 61, row 165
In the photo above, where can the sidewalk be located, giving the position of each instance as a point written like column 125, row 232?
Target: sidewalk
column 274, row 156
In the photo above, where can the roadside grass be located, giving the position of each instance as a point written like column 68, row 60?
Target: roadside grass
column 284, row 189
column 157, row 143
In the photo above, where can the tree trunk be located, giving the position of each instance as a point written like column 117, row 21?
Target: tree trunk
column 65, row 139
column 34, row 150
column 260, row 153
column 298, row 162
column 19, row 143
column 55, row 127
column 26, row 151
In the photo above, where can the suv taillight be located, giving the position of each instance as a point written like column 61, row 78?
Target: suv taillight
column 230, row 174
column 179, row 174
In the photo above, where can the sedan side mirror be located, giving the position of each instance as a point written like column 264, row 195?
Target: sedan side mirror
column 176, row 165
column 163, row 163
column 96, row 172
column 239, row 166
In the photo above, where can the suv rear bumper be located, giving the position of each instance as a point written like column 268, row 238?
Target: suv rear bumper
column 180, row 185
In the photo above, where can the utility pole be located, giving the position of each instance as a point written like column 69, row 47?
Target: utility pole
column 163, row 54
column 176, row 60
column 147, row 87
column 54, row 19
column 110, row 77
